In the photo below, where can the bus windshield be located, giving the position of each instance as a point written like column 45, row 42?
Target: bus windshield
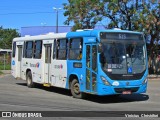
column 124, row 58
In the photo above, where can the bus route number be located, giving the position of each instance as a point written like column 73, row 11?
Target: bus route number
column 122, row 36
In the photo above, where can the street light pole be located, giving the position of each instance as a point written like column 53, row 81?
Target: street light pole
column 56, row 9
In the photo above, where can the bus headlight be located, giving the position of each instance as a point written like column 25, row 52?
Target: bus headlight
column 105, row 81
column 145, row 81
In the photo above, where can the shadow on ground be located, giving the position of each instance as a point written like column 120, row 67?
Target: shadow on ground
column 94, row 98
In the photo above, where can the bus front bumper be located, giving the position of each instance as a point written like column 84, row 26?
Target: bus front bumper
column 111, row 90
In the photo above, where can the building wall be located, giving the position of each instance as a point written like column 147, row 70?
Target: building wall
column 40, row 30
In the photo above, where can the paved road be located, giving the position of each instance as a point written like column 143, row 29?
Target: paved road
column 16, row 96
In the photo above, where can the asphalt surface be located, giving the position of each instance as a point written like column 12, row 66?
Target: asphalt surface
column 16, row 96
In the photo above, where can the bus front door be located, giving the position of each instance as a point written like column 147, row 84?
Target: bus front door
column 47, row 65
column 91, row 68
column 19, row 63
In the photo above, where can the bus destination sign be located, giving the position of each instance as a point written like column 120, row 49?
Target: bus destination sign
column 121, row 36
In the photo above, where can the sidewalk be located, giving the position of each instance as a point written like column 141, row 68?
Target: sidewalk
column 155, row 77
column 6, row 71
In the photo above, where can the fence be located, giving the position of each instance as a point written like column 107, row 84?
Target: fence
column 5, row 59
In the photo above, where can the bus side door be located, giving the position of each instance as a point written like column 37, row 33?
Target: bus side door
column 19, row 59
column 91, row 68
column 47, row 63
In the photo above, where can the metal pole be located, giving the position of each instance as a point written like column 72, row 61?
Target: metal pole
column 57, row 22
column 4, row 62
column 57, row 9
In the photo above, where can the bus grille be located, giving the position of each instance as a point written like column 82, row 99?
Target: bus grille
column 120, row 90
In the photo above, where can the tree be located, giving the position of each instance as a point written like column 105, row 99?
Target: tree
column 6, row 37
column 151, row 26
column 84, row 13
column 136, row 15
column 123, row 13
column 151, row 21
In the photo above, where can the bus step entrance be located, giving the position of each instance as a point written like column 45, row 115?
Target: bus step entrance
column 47, row 85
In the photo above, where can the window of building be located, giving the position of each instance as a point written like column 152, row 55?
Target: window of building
column 14, row 49
column 61, row 49
column 29, row 49
column 75, row 49
column 37, row 49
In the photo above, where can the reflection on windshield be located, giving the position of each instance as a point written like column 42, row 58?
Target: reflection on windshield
column 113, row 52
column 119, row 57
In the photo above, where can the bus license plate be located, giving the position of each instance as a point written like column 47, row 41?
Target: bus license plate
column 126, row 92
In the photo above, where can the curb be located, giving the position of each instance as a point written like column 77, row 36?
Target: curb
column 154, row 77
column 6, row 71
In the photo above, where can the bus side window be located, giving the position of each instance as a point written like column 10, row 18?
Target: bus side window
column 75, row 49
column 14, row 50
column 62, row 49
column 38, row 49
column 29, row 49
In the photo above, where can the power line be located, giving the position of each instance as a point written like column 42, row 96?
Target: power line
column 5, row 8
column 29, row 13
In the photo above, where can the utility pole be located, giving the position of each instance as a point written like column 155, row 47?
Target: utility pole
column 57, row 9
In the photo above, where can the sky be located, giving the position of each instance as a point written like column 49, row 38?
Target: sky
column 24, row 13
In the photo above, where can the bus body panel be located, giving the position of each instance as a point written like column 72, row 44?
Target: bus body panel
column 13, row 67
column 77, row 72
column 35, row 66
column 59, row 73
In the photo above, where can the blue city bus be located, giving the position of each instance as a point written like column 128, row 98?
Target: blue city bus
column 99, row 62
column 113, row 62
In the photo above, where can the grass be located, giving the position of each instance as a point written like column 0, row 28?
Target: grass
column 1, row 72
column 7, row 67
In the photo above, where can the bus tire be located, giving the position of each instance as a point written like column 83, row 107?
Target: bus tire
column 29, row 80
column 75, row 89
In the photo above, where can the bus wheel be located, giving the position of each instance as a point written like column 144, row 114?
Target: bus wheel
column 75, row 89
column 30, row 83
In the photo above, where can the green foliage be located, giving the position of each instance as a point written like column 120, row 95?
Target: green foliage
column 84, row 13
column 6, row 37
column 1, row 72
column 5, row 67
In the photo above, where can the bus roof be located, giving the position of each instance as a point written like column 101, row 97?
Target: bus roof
column 95, row 33
column 80, row 33
column 41, row 37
